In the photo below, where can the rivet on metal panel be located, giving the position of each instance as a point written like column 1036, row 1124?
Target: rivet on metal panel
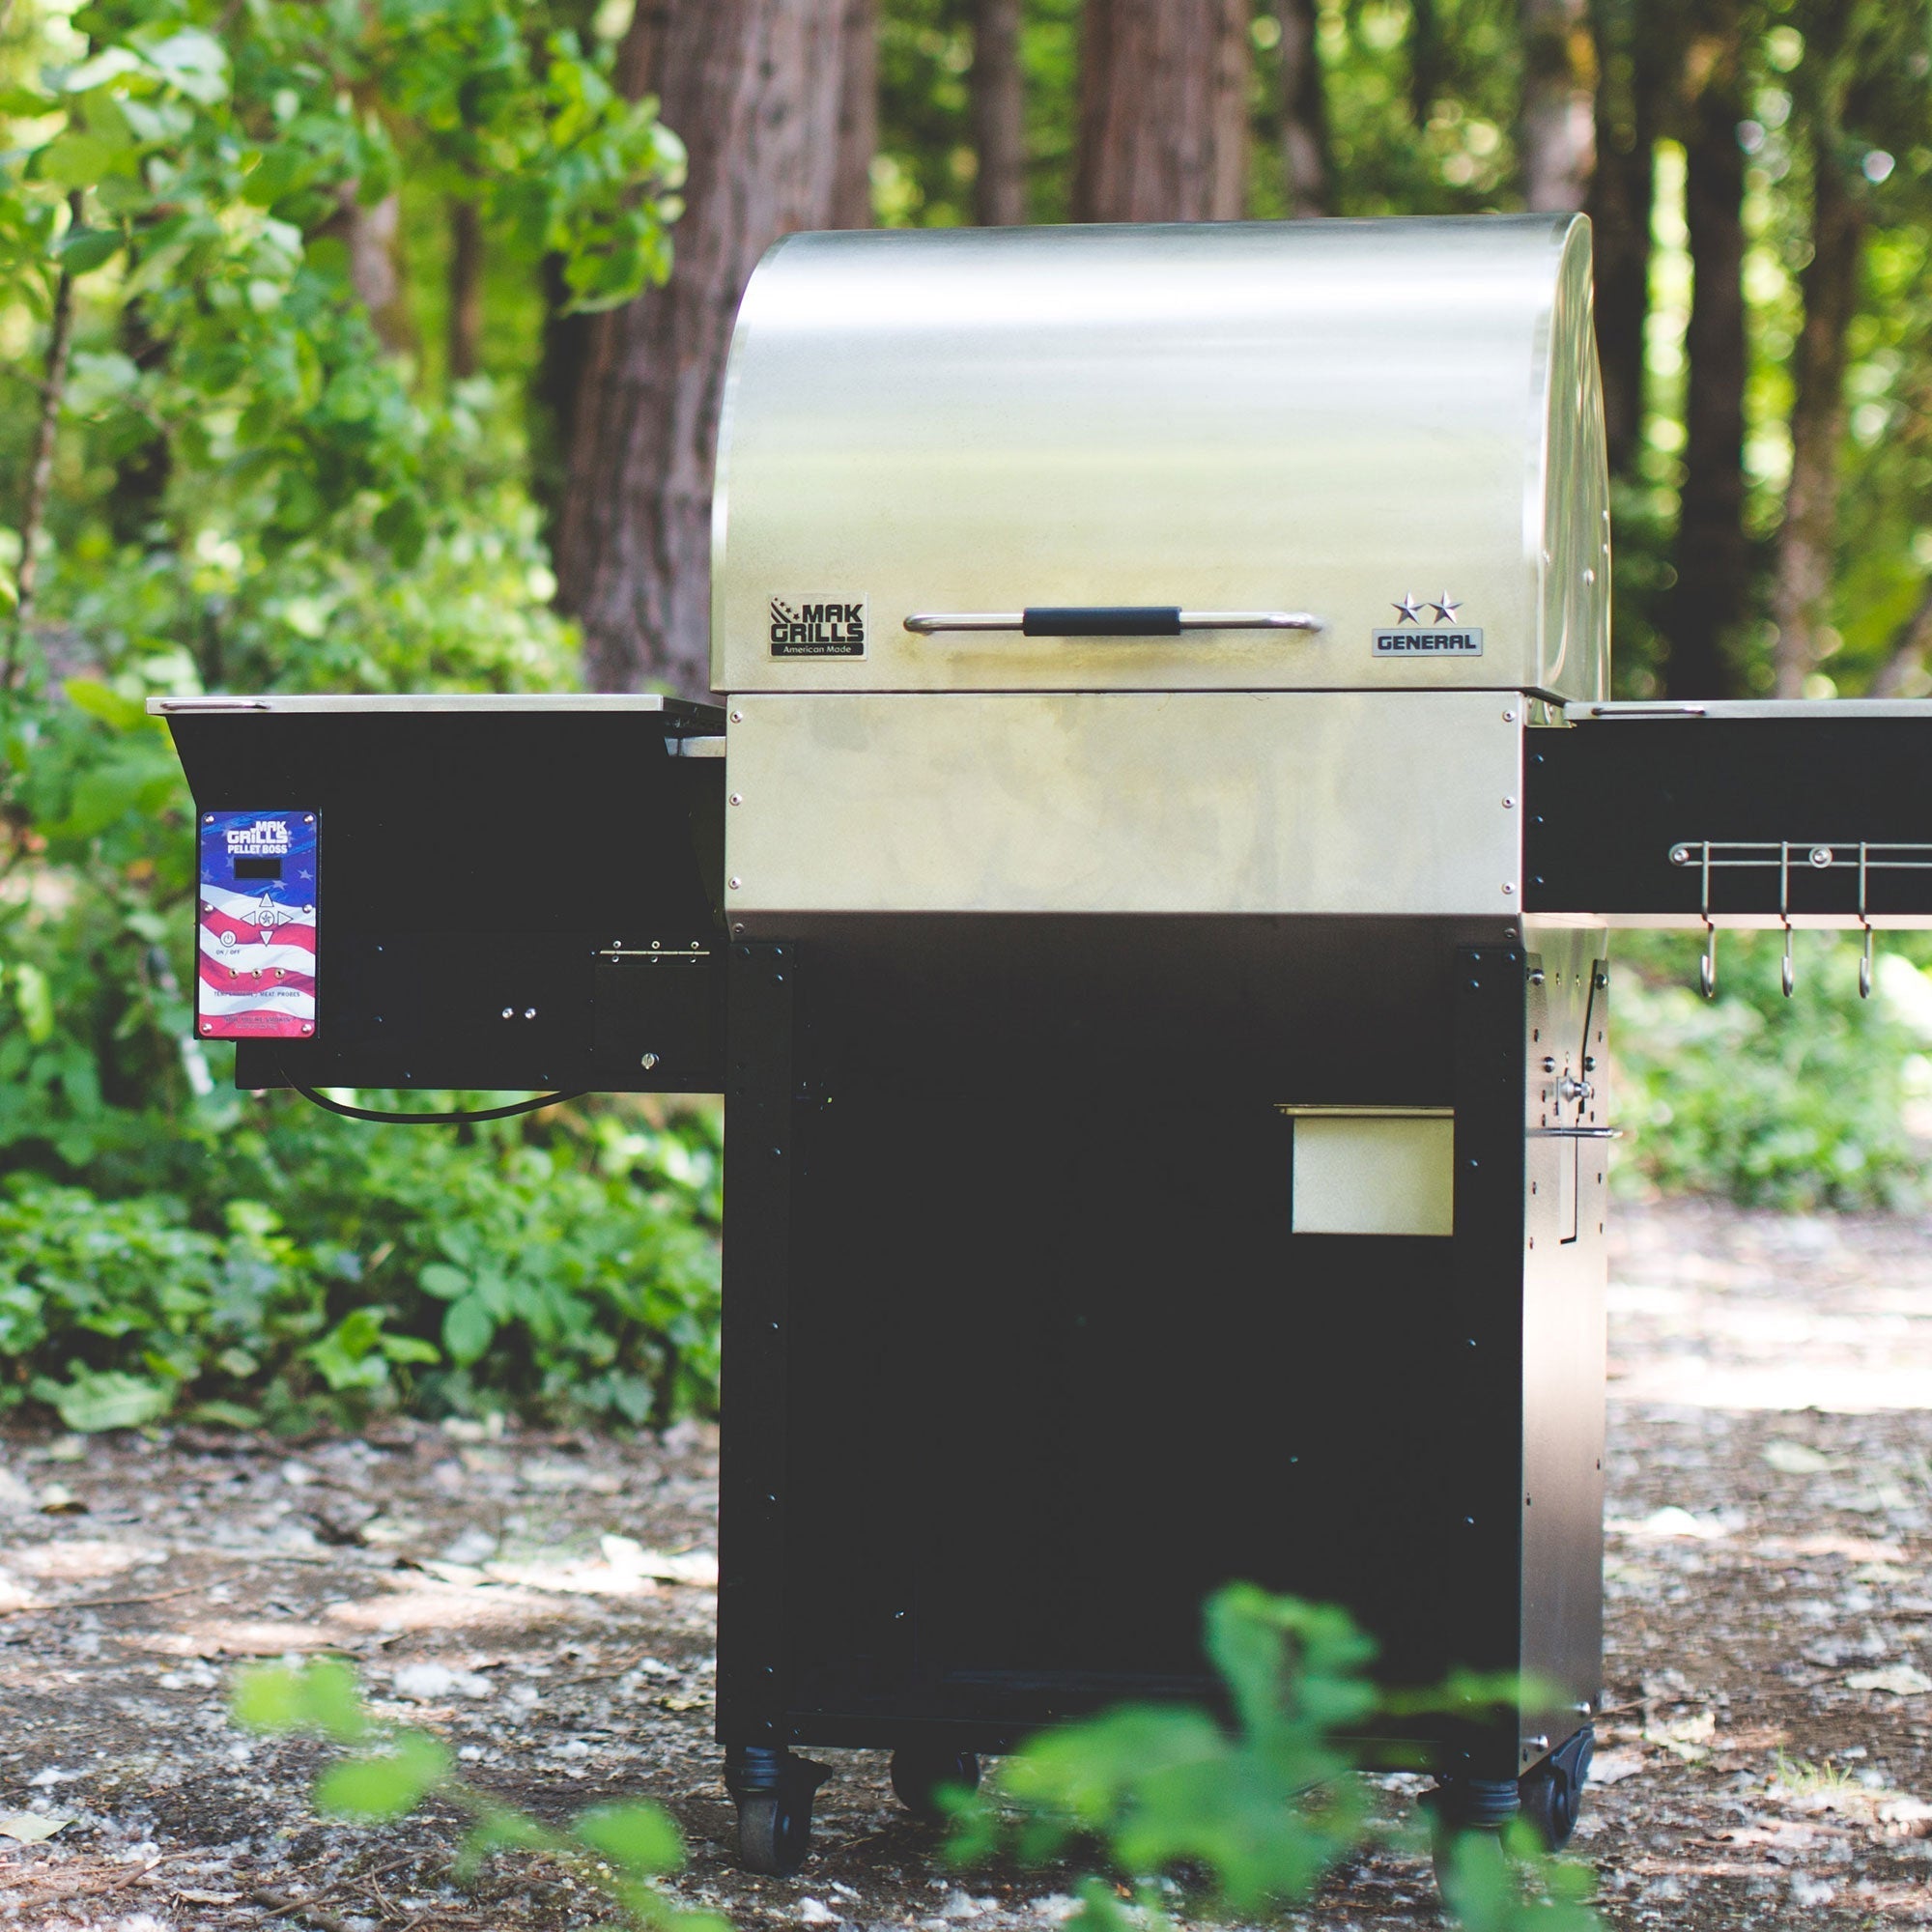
column 734, row 884
column 1508, row 717
column 509, row 1012
column 737, row 798
column 530, row 1012
column 1536, row 976
column 1507, row 887
column 1509, row 805
column 737, row 716
column 736, row 929
column 648, row 1060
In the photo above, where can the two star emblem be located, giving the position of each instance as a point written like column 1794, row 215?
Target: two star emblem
column 1445, row 608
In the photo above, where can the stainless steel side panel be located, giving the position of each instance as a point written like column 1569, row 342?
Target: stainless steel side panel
column 1335, row 417
column 1127, row 801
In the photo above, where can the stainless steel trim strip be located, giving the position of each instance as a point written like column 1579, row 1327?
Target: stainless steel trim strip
column 451, row 701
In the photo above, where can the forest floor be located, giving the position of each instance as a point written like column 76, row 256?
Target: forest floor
column 547, row 1602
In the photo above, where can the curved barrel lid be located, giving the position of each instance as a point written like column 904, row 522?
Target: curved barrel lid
column 1391, row 426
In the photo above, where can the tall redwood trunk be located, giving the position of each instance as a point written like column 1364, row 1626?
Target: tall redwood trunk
column 1425, row 60
column 1631, row 69
column 1304, row 110
column 1829, row 286
column 858, row 116
column 1556, row 134
column 999, row 115
column 753, row 88
column 1163, row 111
column 1713, row 558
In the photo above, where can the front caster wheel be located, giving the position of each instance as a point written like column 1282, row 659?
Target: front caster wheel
column 920, row 1772
column 775, row 1832
column 1552, row 1794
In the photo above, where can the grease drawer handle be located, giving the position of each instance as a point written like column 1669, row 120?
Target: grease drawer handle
column 1109, row 620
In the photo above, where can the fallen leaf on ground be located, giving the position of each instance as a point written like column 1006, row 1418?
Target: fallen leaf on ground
column 1901, row 1680
column 30, row 1828
column 1612, row 1767
column 691, row 1566
column 1797, row 1459
column 1670, row 1521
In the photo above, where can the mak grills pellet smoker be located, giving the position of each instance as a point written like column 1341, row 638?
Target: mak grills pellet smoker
column 1144, row 901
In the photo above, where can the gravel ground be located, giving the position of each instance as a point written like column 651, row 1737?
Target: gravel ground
column 545, row 1602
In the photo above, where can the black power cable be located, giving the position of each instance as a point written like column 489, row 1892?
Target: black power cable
column 348, row 1113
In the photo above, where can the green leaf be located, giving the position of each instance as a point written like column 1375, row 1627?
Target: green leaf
column 409, row 1348
column 639, row 1837
column 320, row 1695
column 33, row 996
column 225, row 1415
column 443, row 1282
column 193, row 62
column 85, row 248
column 467, row 1329
column 385, row 1786
column 80, row 160
column 98, row 699
column 107, row 1399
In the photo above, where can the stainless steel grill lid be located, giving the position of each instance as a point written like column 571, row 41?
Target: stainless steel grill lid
column 1255, row 455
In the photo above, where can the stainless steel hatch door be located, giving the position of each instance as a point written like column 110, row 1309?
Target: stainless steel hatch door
column 1124, row 801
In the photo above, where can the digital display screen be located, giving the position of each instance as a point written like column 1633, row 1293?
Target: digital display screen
column 257, row 869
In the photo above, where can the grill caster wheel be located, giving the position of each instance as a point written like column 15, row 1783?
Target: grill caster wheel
column 775, row 1832
column 918, row 1770
column 774, row 1792
column 1552, row 1794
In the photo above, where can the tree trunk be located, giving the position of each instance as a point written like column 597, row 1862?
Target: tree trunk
column 1713, row 555
column 1623, row 185
column 1163, row 131
column 858, row 116
column 1829, row 287
column 999, row 115
column 1425, row 60
column 371, row 236
column 466, row 290
column 1304, row 110
column 753, row 88
column 1557, row 137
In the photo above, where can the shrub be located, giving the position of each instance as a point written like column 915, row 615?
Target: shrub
column 1797, row 1103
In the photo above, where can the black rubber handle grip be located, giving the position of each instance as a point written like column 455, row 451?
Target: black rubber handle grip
column 1102, row 620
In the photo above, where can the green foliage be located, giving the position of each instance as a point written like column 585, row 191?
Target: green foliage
column 321, row 1698
column 1261, row 1808
column 251, row 494
column 1796, row 1103
column 618, row 1848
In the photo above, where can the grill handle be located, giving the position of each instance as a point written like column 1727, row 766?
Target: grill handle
column 1109, row 620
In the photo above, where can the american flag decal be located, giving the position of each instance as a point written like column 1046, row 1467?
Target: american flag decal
column 256, row 926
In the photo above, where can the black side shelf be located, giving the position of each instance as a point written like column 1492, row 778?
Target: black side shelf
column 507, row 897
column 1821, row 810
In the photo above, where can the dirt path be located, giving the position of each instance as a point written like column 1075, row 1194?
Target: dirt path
column 546, row 1604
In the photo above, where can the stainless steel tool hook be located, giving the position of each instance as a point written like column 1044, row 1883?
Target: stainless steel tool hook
column 1784, row 913
column 1865, row 957
column 1707, row 966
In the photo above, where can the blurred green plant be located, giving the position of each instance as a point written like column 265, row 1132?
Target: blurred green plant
column 255, row 498
column 1800, row 1103
column 620, row 1849
column 1261, row 1808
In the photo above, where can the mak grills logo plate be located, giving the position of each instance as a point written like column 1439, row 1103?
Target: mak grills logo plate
column 802, row 630
column 1459, row 642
